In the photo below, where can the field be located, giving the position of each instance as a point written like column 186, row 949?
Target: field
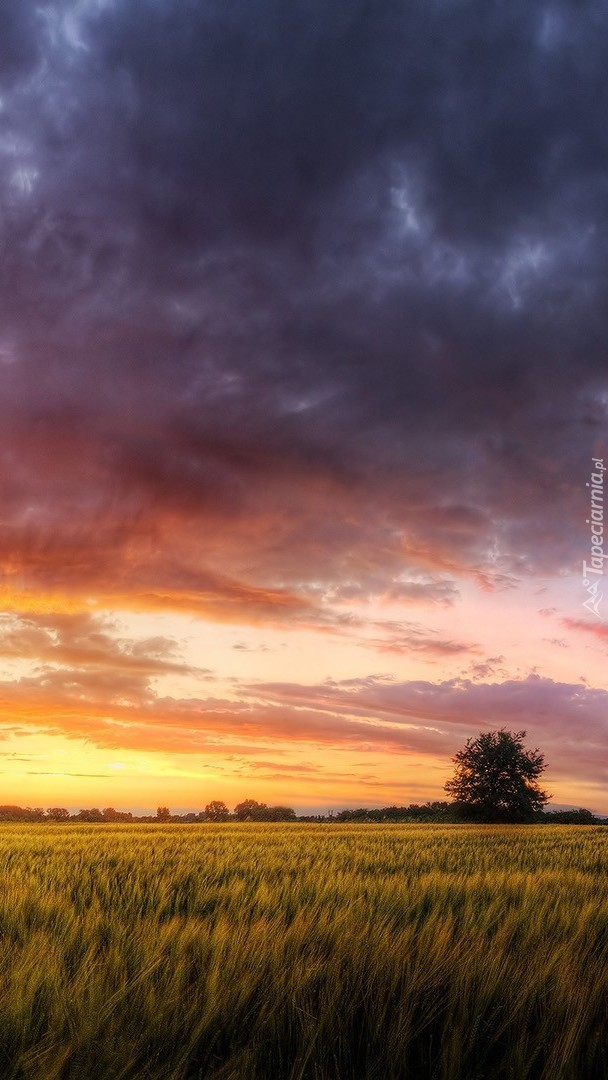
column 303, row 952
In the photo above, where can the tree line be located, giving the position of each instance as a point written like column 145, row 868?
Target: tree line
column 446, row 813
column 431, row 812
column 248, row 810
column 495, row 781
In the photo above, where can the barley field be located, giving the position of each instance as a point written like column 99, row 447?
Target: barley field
column 303, row 952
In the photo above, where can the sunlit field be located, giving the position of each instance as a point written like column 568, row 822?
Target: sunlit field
column 236, row 952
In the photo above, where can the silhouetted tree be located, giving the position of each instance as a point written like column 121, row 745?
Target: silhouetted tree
column 250, row 810
column 163, row 813
column 570, row 817
column 58, row 813
column 216, row 810
column 14, row 813
column 280, row 813
column 110, row 814
column 496, row 778
column 92, row 815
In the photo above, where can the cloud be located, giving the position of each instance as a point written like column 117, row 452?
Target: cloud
column 484, row 669
column 435, row 718
column 597, row 630
column 85, row 680
column 90, row 776
column 361, row 715
column 19, row 49
column 285, row 293
column 403, row 638
column 85, row 642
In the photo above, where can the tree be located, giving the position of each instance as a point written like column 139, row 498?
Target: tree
column 13, row 813
column 570, row 817
column 163, row 813
column 92, row 815
column 250, row 810
column 216, row 810
column 110, row 814
column 281, row 813
column 58, row 813
column 496, row 778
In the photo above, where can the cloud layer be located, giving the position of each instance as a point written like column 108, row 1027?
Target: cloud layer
column 329, row 283
column 85, row 682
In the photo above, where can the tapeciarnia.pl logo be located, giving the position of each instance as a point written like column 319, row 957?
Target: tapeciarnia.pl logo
column 593, row 584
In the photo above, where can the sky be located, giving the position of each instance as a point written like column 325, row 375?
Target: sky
column 304, row 397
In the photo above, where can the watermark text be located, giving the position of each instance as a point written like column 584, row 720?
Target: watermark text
column 593, row 571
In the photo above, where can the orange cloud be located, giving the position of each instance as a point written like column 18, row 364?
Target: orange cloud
column 595, row 629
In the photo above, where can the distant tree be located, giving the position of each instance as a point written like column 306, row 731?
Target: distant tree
column 13, row 813
column 496, row 778
column 58, row 813
column 280, row 813
column 92, row 815
column 362, row 814
column 250, row 810
column 110, row 814
column 569, row 817
column 216, row 810
column 430, row 812
column 163, row 813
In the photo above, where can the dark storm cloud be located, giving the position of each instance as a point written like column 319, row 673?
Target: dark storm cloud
column 18, row 41
column 263, row 112
column 332, row 276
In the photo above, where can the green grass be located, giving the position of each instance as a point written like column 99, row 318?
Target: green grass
column 303, row 952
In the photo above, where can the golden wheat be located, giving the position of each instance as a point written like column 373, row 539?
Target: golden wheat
column 303, row 952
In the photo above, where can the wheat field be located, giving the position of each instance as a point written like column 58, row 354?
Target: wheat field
column 303, row 952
